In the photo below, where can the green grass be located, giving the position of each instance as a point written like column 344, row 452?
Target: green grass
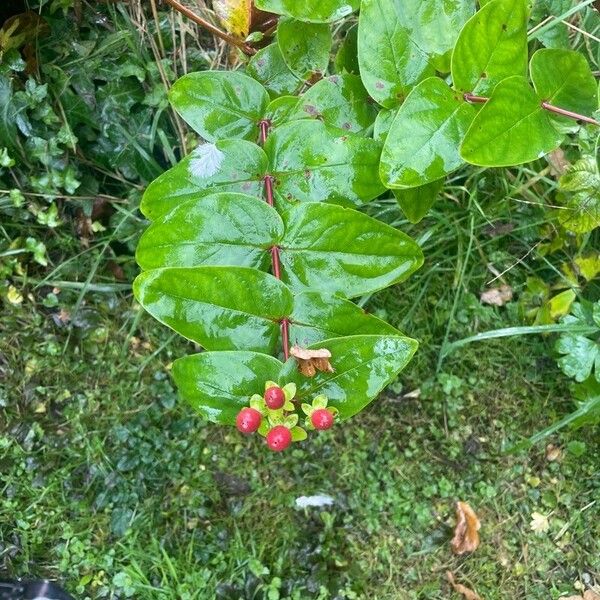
column 111, row 485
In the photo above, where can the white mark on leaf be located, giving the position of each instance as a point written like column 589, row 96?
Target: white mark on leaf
column 206, row 161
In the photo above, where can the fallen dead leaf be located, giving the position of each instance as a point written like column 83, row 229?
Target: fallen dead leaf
column 558, row 162
column 497, row 296
column 311, row 361
column 539, row 523
column 466, row 533
column 553, row 453
column 468, row 593
column 591, row 595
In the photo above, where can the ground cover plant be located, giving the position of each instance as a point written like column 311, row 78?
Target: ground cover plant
column 116, row 488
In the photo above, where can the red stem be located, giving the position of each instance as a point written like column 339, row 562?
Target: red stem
column 268, row 179
column 545, row 105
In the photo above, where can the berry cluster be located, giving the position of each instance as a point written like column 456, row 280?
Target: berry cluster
column 274, row 416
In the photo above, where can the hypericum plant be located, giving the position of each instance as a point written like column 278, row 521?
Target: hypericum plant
column 257, row 242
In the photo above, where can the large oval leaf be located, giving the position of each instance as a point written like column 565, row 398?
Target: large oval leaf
column 363, row 366
column 401, row 42
column 511, row 128
column 227, row 165
column 220, row 308
column 312, row 162
column 218, row 229
column 220, row 104
column 269, row 68
column 318, row 317
column 564, row 78
column 342, row 251
column 391, row 59
column 422, row 144
column 491, row 46
column 219, row 384
column 305, row 47
column 340, row 101
column 312, row 11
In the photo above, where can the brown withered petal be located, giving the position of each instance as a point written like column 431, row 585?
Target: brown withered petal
column 459, row 588
column 311, row 361
column 466, row 533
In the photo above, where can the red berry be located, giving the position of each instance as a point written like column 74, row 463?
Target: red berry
column 322, row 419
column 279, row 438
column 274, row 397
column 248, row 420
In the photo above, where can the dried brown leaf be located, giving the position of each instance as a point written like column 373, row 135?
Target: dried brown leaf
column 591, row 595
column 468, row 593
column 497, row 296
column 558, row 162
column 466, row 533
column 311, row 361
column 553, row 453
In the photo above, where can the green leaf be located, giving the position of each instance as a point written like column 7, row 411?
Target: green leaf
column 416, row 202
column 340, row 101
column 581, row 354
column 346, row 59
column 226, row 166
column 363, row 364
column 401, row 42
column 564, row 78
column 305, row 47
column 312, row 162
column 511, row 128
column 268, row 67
column 298, row 434
column 342, row 251
column 390, row 57
column 579, row 193
column 220, row 308
column 218, row 229
column 219, row 384
column 383, row 123
column 281, row 109
column 422, row 144
column 220, row 104
column 316, row 317
column 491, row 46
column 311, row 11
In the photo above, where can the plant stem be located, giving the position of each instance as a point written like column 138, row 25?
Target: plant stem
column 473, row 99
column 184, row 10
column 268, row 179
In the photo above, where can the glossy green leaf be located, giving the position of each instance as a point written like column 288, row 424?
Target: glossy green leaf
column 491, row 46
column 220, row 308
column 422, row 144
column 219, row 229
column 219, row 384
column 305, row 47
column 220, row 104
column 226, row 166
column 564, row 78
column 268, row 67
column 346, row 59
column 311, row 11
column 383, row 123
column 312, row 162
column 416, row 202
column 340, row 101
column 401, row 42
column 511, row 128
column 363, row 366
column 280, row 110
column 342, row 251
column 318, row 317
